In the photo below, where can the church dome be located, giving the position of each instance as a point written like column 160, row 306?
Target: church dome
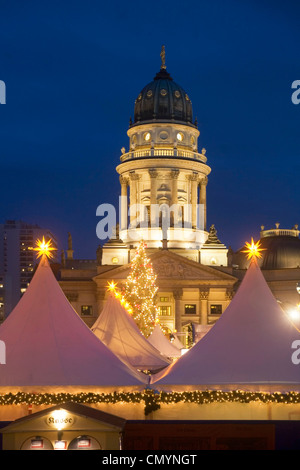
column 282, row 252
column 163, row 100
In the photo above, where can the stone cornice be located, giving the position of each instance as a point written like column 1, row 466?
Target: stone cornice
column 146, row 163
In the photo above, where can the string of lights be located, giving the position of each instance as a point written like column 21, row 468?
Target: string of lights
column 151, row 399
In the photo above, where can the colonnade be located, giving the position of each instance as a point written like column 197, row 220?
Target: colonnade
column 195, row 196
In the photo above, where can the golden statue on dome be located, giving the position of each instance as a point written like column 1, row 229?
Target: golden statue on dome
column 163, row 57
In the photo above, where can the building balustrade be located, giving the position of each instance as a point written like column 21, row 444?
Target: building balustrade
column 163, row 152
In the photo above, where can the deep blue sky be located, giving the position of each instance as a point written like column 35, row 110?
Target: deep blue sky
column 73, row 70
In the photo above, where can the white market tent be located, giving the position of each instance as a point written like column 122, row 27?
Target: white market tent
column 117, row 329
column 48, row 344
column 177, row 342
column 160, row 342
column 249, row 347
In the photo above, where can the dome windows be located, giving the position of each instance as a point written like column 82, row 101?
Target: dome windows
column 180, row 136
column 163, row 92
column 147, row 136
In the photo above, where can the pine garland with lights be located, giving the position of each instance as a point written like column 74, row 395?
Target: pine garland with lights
column 151, row 399
column 140, row 291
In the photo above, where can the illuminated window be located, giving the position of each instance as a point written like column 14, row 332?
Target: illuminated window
column 147, row 136
column 216, row 309
column 190, row 309
column 165, row 310
column 36, row 444
column 86, row 310
column 180, row 136
column 164, row 299
column 60, row 445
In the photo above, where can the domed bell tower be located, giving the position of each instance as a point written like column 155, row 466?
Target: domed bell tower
column 163, row 176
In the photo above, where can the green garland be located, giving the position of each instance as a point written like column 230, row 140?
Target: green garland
column 151, row 399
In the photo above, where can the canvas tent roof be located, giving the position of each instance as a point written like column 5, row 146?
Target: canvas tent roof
column 177, row 342
column 160, row 342
column 251, row 344
column 117, row 329
column 47, row 343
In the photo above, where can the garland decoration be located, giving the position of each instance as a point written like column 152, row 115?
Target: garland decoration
column 151, row 399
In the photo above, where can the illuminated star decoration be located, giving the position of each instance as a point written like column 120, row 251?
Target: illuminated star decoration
column 44, row 248
column 253, row 250
column 112, row 287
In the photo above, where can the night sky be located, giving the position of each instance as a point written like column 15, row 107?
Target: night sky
column 73, row 70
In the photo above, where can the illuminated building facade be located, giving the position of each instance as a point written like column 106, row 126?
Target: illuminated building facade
column 163, row 178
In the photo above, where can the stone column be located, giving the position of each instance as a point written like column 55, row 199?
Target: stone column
column 203, row 184
column 133, row 197
column 124, row 203
column 174, row 196
column 153, row 196
column 204, row 293
column 194, row 194
column 187, row 211
column 177, row 294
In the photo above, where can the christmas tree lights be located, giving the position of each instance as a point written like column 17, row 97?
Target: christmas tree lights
column 140, row 291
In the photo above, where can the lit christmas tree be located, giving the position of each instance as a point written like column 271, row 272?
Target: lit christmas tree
column 140, row 291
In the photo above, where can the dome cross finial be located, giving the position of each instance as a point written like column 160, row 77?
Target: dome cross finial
column 163, row 58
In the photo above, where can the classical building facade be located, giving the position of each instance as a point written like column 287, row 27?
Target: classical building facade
column 163, row 178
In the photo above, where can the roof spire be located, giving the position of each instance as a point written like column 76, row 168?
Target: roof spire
column 163, row 58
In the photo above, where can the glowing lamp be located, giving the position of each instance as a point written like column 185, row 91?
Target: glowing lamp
column 59, row 419
column 294, row 313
